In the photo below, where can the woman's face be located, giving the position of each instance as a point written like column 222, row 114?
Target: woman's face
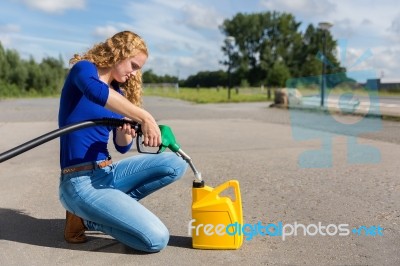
column 127, row 68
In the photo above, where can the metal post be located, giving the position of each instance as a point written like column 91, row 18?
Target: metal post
column 229, row 43
column 323, row 84
column 229, row 73
column 325, row 26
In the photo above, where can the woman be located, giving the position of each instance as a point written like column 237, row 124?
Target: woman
column 97, row 193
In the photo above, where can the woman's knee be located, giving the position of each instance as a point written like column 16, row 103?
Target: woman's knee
column 178, row 164
column 158, row 241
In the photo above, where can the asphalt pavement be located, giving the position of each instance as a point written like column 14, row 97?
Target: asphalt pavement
column 335, row 175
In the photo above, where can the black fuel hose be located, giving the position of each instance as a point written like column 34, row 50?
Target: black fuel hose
column 112, row 122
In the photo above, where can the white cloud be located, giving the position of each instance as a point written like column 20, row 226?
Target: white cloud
column 386, row 62
column 390, row 36
column 183, row 38
column 40, row 47
column 395, row 26
column 5, row 33
column 52, row 41
column 10, row 28
column 302, row 8
column 199, row 59
column 344, row 28
column 105, row 31
column 55, row 6
column 201, row 17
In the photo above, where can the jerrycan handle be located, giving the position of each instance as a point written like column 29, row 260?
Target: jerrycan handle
column 238, row 199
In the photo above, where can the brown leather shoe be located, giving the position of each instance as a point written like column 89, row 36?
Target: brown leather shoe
column 74, row 231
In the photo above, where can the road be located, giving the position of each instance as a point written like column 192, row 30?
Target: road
column 262, row 148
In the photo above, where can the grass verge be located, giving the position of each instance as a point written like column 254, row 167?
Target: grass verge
column 212, row 95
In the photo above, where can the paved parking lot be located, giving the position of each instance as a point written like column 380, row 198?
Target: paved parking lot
column 249, row 142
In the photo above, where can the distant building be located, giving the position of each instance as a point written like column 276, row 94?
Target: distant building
column 384, row 86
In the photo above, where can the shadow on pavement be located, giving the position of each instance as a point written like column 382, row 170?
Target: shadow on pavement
column 17, row 226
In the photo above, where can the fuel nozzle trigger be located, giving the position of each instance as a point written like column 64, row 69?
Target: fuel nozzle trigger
column 168, row 141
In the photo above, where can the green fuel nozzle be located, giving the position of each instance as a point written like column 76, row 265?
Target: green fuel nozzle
column 168, row 141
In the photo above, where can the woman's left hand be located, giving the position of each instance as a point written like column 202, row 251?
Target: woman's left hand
column 125, row 134
column 127, row 129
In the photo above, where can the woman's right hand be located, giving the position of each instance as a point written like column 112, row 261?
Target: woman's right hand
column 151, row 133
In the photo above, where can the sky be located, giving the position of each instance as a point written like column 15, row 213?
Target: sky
column 183, row 36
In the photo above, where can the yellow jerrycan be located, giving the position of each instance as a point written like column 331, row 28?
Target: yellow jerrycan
column 216, row 220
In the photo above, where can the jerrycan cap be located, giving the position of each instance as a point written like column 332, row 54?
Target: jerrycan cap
column 197, row 184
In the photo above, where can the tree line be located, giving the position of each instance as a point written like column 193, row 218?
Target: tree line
column 264, row 48
column 27, row 77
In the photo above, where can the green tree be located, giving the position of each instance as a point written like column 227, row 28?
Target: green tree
column 313, row 41
column 149, row 76
column 53, row 74
column 4, row 66
column 207, row 79
column 279, row 74
column 262, row 39
column 17, row 71
column 19, row 77
column 35, row 80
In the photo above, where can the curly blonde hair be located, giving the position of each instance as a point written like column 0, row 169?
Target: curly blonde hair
column 119, row 47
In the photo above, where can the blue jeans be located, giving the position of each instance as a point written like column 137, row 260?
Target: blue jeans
column 107, row 198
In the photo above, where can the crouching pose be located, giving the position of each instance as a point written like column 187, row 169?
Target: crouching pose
column 98, row 193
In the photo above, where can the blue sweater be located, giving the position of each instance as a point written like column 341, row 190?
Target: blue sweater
column 83, row 97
